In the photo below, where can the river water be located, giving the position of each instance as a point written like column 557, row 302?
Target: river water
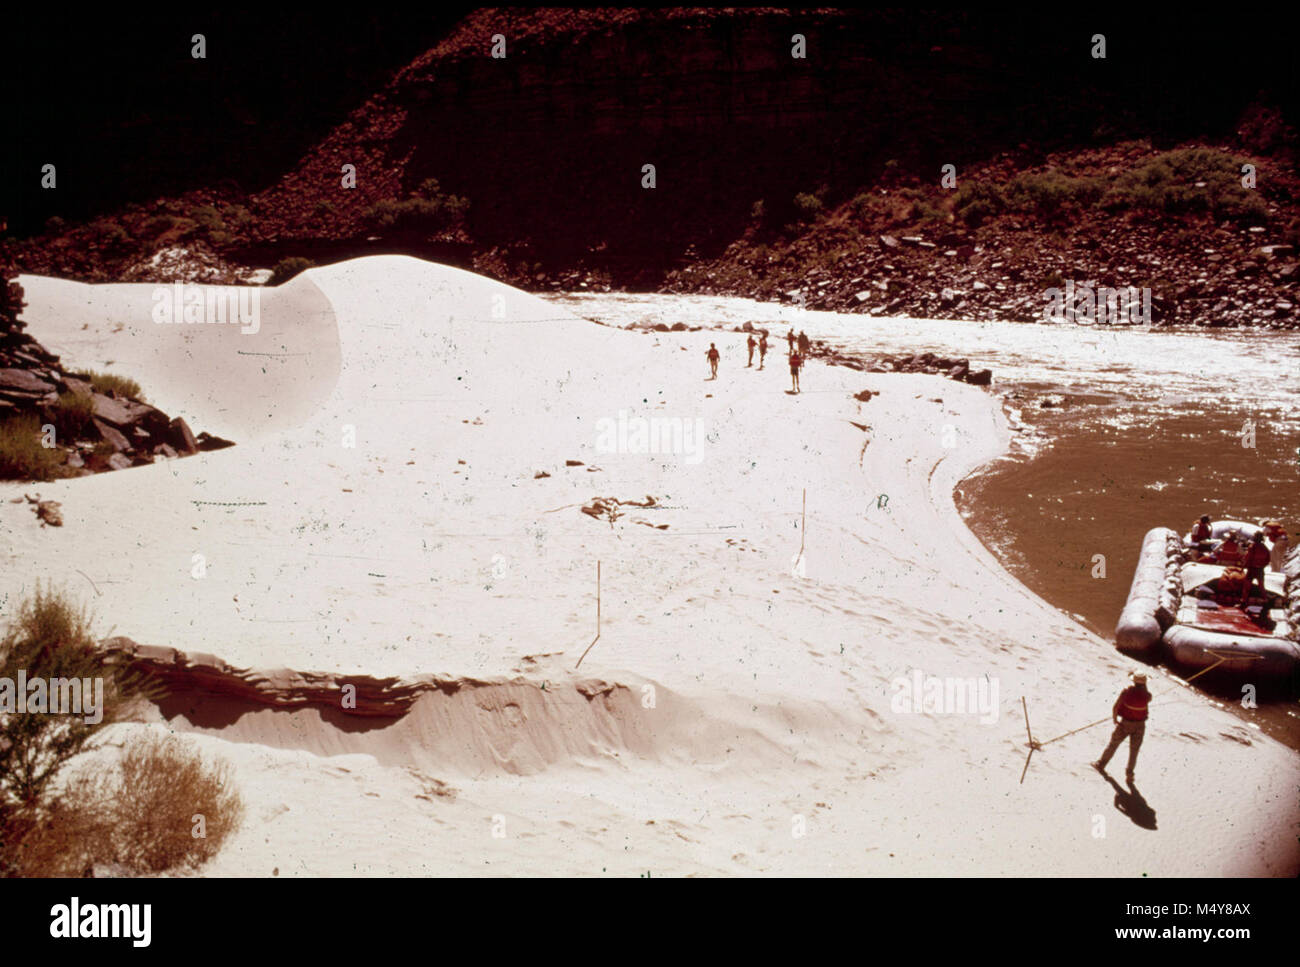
column 1146, row 428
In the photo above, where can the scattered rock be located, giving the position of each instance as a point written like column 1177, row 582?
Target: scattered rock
column 179, row 436
column 208, row 442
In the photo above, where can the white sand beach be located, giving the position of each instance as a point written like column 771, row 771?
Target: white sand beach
column 737, row 714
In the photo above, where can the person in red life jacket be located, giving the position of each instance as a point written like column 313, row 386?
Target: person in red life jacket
column 1229, row 551
column 762, row 349
column 1257, row 558
column 796, row 361
column 1201, row 529
column 712, row 355
column 1130, row 714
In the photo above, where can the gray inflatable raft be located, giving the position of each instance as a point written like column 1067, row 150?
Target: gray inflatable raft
column 1173, row 608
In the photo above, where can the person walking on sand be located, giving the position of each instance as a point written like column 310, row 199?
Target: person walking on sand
column 712, row 355
column 751, row 343
column 1130, row 715
column 796, row 361
column 789, row 338
column 762, row 349
column 803, row 343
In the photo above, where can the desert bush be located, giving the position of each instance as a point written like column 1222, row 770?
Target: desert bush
column 808, row 206
column 1188, row 180
column 861, row 204
column 208, row 218
column 47, row 638
column 163, row 807
column 112, row 383
column 22, row 455
column 287, row 268
column 975, row 202
column 72, row 416
column 427, row 209
column 65, row 805
column 1050, row 194
column 107, row 234
column 159, row 224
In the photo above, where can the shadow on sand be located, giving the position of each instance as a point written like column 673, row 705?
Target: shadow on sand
column 1130, row 802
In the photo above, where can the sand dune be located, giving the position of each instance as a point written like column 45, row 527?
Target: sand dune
column 736, row 713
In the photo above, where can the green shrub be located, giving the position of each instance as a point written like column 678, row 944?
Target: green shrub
column 72, row 416
column 237, row 218
column 48, row 637
column 109, row 235
column 22, row 455
column 427, row 209
column 112, row 383
column 159, row 224
column 287, row 268
column 53, row 827
column 808, row 206
column 976, row 202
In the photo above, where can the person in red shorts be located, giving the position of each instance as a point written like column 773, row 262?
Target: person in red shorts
column 796, row 361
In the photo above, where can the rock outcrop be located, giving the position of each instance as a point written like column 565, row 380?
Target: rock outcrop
column 95, row 430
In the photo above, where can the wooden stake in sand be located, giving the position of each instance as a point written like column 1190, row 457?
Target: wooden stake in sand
column 803, row 536
column 597, row 638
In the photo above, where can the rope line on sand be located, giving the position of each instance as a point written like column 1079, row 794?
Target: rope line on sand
column 1036, row 746
column 1222, row 659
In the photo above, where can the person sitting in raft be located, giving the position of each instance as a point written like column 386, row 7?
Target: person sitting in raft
column 1257, row 558
column 1228, row 551
column 1201, row 530
column 1276, row 534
